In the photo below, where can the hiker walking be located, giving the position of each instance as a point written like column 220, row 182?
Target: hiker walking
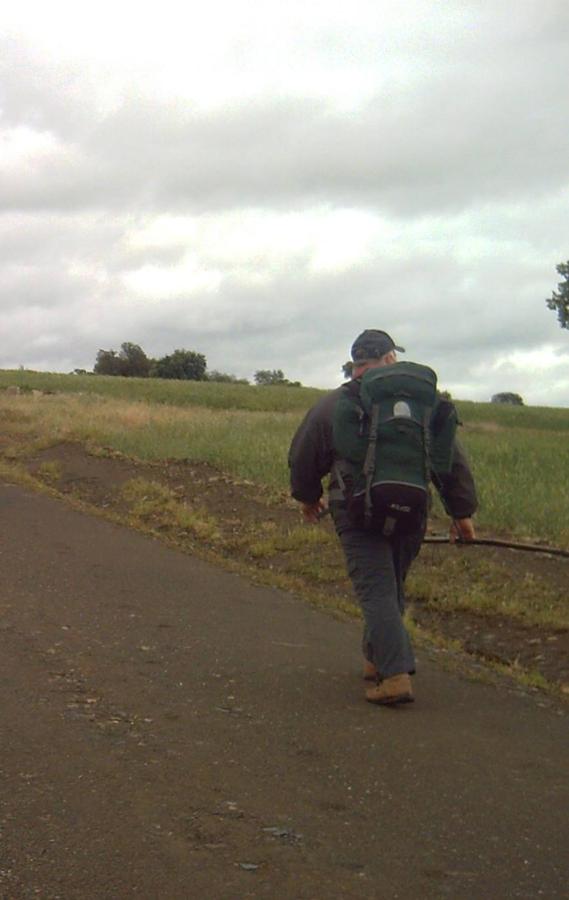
column 382, row 437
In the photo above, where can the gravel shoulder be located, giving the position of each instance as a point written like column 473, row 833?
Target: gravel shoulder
column 172, row 730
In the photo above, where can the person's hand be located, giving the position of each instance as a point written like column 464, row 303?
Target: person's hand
column 311, row 512
column 462, row 530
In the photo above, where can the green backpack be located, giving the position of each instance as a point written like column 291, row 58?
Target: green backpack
column 390, row 440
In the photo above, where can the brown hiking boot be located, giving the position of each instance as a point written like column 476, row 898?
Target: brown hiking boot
column 370, row 672
column 391, row 691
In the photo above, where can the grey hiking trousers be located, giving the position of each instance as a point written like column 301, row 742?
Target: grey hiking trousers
column 378, row 567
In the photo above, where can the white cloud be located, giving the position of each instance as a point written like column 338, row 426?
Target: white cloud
column 163, row 281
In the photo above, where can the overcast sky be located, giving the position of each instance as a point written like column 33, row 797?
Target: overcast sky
column 259, row 181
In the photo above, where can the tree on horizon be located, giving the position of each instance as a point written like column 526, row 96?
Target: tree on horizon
column 131, row 362
column 184, row 365
column 559, row 299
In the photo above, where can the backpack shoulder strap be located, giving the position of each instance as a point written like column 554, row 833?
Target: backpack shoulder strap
column 369, row 462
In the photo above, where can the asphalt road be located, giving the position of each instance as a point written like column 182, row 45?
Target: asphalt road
column 169, row 730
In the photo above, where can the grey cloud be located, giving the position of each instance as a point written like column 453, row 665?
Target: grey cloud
column 44, row 93
column 477, row 149
column 489, row 125
column 35, row 239
column 322, row 314
column 308, row 336
column 50, row 261
column 405, row 161
column 437, row 306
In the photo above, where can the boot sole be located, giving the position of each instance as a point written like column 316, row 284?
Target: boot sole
column 392, row 701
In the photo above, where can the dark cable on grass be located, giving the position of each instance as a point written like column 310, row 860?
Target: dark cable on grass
column 496, row 542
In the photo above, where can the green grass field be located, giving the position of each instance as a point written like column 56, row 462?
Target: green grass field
column 520, row 455
column 173, row 393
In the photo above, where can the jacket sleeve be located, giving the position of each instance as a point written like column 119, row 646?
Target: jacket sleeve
column 457, row 489
column 311, row 452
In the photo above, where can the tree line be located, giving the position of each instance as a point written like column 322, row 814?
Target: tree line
column 184, row 365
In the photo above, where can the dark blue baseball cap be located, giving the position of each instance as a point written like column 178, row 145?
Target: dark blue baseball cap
column 372, row 344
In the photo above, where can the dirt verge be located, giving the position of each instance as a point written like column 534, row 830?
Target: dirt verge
column 239, row 522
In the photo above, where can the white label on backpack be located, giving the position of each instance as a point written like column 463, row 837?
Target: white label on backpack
column 402, row 409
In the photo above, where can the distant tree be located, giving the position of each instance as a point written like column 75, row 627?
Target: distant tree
column 445, row 395
column 224, row 377
column 269, row 376
column 79, row 372
column 186, row 365
column 507, row 397
column 108, row 362
column 131, row 362
column 559, row 299
column 274, row 377
column 347, row 369
column 135, row 361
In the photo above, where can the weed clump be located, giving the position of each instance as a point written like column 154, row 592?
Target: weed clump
column 153, row 504
column 49, row 472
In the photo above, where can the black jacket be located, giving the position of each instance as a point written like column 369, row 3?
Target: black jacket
column 311, row 457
